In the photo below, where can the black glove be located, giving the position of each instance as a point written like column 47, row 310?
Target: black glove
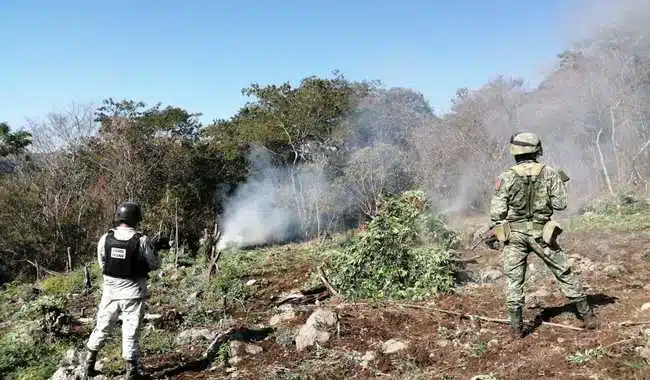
column 494, row 244
column 160, row 242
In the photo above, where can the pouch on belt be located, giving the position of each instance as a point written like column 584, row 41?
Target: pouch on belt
column 551, row 231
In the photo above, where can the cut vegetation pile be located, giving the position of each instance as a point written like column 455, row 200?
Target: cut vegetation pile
column 405, row 252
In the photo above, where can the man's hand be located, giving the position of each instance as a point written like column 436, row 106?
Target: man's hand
column 494, row 244
column 160, row 242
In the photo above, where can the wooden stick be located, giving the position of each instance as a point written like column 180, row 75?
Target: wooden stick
column 216, row 343
column 619, row 342
column 176, row 236
column 40, row 268
column 328, row 285
column 631, row 323
column 467, row 260
column 87, row 280
column 69, row 263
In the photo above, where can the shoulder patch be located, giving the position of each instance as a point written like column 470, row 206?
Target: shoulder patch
column 498, row 184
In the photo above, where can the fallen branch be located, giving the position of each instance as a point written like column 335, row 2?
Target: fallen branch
column 467, row 260
column 618, row 342
column 41, row 268
column 328, row 285
column 631, row 323
column 216, row 343
column 147, row 317
column 486, row 319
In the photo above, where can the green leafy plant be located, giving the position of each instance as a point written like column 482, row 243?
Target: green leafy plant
column 391, row 259
column 582, row 357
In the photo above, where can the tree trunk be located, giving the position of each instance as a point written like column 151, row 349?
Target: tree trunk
column 602, row 163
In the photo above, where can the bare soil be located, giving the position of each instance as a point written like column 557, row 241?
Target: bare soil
column 448, row 347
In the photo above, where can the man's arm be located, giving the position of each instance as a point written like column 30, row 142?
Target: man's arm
column 557, row 185
column 150, row 253
column 499, row 202
column 101, row 252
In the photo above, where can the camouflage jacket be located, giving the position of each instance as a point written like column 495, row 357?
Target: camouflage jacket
column 516, row 199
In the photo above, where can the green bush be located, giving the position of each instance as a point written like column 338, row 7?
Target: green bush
column 624, row 203
column 404, row 253
column 73, row 282
column 22, row 357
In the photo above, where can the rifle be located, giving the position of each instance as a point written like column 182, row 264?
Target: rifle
column 488, row 236
column 160, row 242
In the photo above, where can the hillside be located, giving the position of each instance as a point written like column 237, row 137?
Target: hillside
column 356, row 338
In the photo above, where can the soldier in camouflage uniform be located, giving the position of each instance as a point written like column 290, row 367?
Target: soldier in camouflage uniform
column 525, row 198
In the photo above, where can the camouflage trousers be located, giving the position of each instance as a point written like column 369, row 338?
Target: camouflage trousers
column 515, row 255
column 132, row 312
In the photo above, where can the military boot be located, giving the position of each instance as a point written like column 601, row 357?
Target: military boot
column 89, row 367
column 516, row 322
column 587, row 314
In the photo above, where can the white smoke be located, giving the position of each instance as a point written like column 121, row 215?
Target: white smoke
column 273, row 205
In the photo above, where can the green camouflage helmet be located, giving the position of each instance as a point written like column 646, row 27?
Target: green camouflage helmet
column 525, row 142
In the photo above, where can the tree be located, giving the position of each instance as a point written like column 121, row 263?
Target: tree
column 13, row 142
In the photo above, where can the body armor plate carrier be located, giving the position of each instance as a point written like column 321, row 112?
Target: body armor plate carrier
column 123, row 259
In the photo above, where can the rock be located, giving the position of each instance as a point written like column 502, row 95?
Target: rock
column 367, row 358
column 613, row 270
column 581, row 263
column 643, row 352
column 235, row 348
column 72, row 373
column 194, row 297
column 646, row 287
column 234, row 360
column 534, row 300
column 193, row 334
column 646, row 254
column 484, row 377
column 72, row 366
column 286, row 307
column 491, row 275
column 316, row 329
column 250, row 282
column 645, row 306
column 561, row 340
column 253, row 349
column 277, row 319
column 493, row 343
column 646, row 333
column 73, row 357
column 285, row 336
column 442, row 342
column 392, row 346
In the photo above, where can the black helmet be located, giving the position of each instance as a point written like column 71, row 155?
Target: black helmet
column 129, row 213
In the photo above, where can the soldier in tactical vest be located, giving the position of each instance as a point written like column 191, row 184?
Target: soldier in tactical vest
column 125, row 257
column 524, row 200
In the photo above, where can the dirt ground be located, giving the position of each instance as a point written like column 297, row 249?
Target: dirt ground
column 441, row 346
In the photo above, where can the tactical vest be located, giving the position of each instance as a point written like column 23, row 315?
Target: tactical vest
column 123, row 258
column 523, row 191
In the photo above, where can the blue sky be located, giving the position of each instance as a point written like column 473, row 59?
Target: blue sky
column 200, row 55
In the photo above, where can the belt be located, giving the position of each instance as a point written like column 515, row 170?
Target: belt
column 527, row 225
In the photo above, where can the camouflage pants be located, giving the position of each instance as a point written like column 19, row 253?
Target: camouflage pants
column 132, row 312
column 515, row 255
